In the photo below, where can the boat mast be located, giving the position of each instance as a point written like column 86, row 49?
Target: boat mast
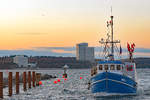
column 112, row 41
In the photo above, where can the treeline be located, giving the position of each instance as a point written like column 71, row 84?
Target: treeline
column 46, row 62
column 8, row 66
column 58, row 62
column 141, row 62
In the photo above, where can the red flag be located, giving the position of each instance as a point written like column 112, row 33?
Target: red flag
column 132, row 47
column 110, row 21
column 128, row 46
column 134, row 44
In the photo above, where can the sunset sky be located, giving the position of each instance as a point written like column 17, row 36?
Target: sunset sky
column 30, row 24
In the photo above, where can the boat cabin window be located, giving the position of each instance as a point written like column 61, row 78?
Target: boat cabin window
column 95, row 70
column 112, row 67
column 92, row 72
column 106, row 67
column 118, row 67
column 100, row 67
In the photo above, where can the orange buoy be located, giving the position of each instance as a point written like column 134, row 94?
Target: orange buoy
column 40, row 82
column 58, row 80
column 65, row 79
column 55, row 82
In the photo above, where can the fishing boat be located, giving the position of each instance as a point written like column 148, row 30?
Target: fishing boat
column 111, row 75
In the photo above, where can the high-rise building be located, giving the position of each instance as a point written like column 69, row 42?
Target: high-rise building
column 21, row 60
column 84, row 53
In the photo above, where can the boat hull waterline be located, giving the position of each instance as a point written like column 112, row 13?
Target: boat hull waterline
column 113, row 83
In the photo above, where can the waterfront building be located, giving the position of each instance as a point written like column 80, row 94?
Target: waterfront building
column 84, row 53
column 21, row 60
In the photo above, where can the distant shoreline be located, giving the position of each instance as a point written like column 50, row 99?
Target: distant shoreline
column 42, row 68
column 58, row 68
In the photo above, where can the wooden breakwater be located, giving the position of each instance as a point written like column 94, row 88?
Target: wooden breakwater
column 27, row 79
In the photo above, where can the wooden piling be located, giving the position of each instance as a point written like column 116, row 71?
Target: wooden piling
column 33, row 78
column 38, row 78
column 29, row 79
column 24, row 81
column 10, row 84
column 1, row 84
column 17, row 82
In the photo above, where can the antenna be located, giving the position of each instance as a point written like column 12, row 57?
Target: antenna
column 111, row 10
column 112, row 40
column 109, row 50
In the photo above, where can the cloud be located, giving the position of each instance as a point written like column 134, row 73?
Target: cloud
column 67, row 51
column 144, row 50
column 139, row 52
column 55, row 48
column 32, row 33
column 33, row 53
column 62, row 51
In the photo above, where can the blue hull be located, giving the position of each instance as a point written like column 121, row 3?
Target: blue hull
column 112, row 83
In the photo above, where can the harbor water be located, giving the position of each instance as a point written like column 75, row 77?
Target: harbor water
column 76, row 87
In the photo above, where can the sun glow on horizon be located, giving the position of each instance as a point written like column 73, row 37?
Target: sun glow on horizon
column 25, row 24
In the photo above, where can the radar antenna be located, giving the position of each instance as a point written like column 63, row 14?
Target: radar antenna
column 111, row 41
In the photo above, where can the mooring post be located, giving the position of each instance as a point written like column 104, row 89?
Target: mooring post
column 1, row 84
column 33, row 78
column 37, row 82
column 10, row 84
column 29, row 79
column 24, row 81
column 38, row 78
column 17, row 82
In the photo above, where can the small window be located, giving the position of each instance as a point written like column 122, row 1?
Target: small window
column 100, row 67
column 118, row 67
column 92, row 72
column 112, row 67
column 106, row 67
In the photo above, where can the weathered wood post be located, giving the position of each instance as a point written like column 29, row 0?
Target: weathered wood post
column 38, row 78
column 10, row 84
column 1, row 84
column 17, row 82
column 33, row 78
column 29, row 79
column 24, row 81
